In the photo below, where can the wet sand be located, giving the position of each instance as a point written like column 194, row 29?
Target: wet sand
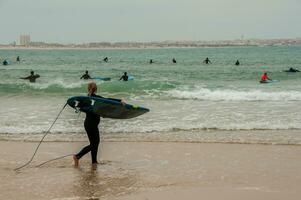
column 155, row 170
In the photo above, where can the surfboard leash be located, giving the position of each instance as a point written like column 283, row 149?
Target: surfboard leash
column 40, row 142
column 58, row 158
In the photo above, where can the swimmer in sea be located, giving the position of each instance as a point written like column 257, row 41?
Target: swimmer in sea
column 124, row 77
column 86, row 75
column 207, row 61
column 32, row 77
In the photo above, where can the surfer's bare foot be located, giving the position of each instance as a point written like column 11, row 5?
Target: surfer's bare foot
column 76, row 161
column 94, row 166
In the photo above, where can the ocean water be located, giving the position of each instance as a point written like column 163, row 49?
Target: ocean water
column 189, row 101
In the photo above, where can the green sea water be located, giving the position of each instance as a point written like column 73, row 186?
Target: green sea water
column 183, row 97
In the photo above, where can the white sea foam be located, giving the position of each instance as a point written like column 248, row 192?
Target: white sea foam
column 235, row 95
column 59, row 83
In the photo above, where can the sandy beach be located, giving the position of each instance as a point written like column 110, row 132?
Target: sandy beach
column 153, row 170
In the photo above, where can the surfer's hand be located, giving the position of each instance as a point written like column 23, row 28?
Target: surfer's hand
column 123, row 102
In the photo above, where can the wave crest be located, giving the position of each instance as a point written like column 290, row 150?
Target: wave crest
column 234, row 95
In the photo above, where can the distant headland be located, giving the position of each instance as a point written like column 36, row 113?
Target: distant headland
column 162, row 44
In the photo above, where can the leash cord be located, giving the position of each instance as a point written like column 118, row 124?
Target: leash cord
column 58, row 158
column 40, row 142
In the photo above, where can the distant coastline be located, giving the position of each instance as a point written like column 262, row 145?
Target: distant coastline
column 163, row 44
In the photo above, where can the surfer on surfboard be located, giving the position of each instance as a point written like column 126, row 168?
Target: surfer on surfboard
column 265, row 77
column 5, row 62
column 292, row 70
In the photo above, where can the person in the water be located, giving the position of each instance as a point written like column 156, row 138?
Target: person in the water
column 32, row 77
column 151, row 61
column 174, row 60
column 265, row 77
column 106, row 59
column 5, row 62
column 124, row 77
column 91, row 126
column 237, row 63
column 292, row 70
column 86, row 75
column 18, row 59
column 207, row 61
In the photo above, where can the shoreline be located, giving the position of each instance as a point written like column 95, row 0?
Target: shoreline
column 154, row 141
column 139, row 170
column 290, row 137
column 119, row 48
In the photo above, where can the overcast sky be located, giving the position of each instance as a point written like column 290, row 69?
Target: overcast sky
column 148, row 20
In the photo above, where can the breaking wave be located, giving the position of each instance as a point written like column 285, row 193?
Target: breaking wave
column 234, row 95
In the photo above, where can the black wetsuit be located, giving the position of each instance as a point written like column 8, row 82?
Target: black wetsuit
column 91, row 126
column 85, row 76
column 124, row 78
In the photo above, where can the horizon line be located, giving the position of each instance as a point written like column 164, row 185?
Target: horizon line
column 156, row 41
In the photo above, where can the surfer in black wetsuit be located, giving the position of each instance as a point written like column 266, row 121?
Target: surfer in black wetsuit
column 106, row 59
column 292, row 70
column 18, row 59
column 32, row 77
column 124, row 77
column 86, row 75
column 237, row 63
column 151, row 61
column 91, row 126
column 174, row 60
column 5, row 62
column 207, row 61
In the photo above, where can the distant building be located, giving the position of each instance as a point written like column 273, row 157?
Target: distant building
column 24, row 40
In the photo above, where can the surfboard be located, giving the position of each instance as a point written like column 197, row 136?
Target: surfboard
column 106, row 108
column 269, row 81
column 291, row 71
column 130, row 78
column 101, row 78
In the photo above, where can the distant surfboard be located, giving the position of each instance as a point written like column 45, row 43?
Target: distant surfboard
column 101, row 78
column 106, row 108
column 130, row 78
column 269, row 81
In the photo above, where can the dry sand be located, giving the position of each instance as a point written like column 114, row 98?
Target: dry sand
column 139, row 170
